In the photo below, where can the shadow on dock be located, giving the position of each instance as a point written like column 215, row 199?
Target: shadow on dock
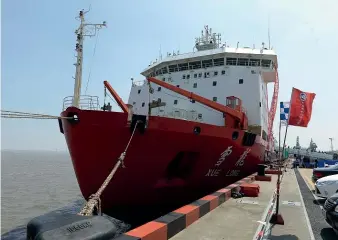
column 284, row 237
column 328, row 234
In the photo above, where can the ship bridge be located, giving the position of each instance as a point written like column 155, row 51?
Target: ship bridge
column 214, row 71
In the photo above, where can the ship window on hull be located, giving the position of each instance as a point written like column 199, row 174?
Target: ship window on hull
column 219, row 62
column 240, row 81
column 206, row 75
column 139, row 91
column 175, row 102
column 143, row 104
column 214, row 99
column 177, row 85
column 207, row 63
column 183, row 77
column 159, row 89
column 195, row 85
column 243, row 62
column 195, row 65
column 195, row 75
column 215, row 73
column 223, row 72
column 231, row 61
column 200, row 75
column 188, row 76
column 214, row 83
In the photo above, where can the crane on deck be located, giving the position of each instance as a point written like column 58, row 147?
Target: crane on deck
column 233, row 112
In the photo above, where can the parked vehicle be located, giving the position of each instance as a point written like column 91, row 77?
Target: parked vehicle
column 323, row 172
column 330, row 212
column 326, row 186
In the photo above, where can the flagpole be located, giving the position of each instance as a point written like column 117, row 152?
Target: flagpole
column 280, row 159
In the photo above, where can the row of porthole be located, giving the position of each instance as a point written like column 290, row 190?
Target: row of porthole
column 199, row 75
column 176, row 101
column 214, row 83
column 197, row 131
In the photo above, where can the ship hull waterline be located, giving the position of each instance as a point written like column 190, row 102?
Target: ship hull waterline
column 167, row 164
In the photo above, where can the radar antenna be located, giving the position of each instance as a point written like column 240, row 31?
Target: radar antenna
column 208, row 40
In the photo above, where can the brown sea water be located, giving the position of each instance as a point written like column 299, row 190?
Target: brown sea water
column 34, row 183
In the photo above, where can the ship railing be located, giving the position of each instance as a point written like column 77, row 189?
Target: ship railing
column 183, row 114
column 86, row 102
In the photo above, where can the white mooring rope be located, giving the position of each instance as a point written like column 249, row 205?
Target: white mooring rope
column 94, row 201
column 16, row 114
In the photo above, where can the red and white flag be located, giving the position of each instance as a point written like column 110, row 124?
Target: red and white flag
column 300, row 107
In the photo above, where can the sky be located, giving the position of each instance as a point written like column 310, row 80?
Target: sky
column 38, row 42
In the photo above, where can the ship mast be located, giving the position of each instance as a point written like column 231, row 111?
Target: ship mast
column 84, row 30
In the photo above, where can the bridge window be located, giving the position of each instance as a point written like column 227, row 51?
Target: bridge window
column 175, row 102
column 164, row 70
column 188, row 76
column 243, row 62
column 223, row 72
column 173, row 68
column 182, row 66
column 240, row 81
column 183, row 77
column 159, row 89
column 214, row 99
column 195, row 75
column 195, row 65
column 200, row 75
column 139, row 91
column 254, row 62
column 195, row 85
column 219, row 62
column 266, row 63
column 207, row 63
column 231, row 61
column 143, row 104
column 214, row 83
column 206, row 75
column 215, row 73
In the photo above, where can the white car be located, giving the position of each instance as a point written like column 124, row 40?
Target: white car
column 326, row 186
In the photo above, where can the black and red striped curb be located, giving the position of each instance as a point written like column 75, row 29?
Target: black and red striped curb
column 174, row 222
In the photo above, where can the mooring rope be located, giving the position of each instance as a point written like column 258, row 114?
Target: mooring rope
column 16, row 114
column 94, row 201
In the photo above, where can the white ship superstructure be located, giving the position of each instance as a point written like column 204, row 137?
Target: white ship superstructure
column 214, row 71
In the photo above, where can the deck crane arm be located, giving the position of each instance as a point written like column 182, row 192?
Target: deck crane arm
column 239, row 116
column 117, row 98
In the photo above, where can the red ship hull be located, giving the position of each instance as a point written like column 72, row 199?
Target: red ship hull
column 166, row 164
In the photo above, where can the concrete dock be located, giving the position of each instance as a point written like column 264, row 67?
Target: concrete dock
column 220, row 217
column 245, row 218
